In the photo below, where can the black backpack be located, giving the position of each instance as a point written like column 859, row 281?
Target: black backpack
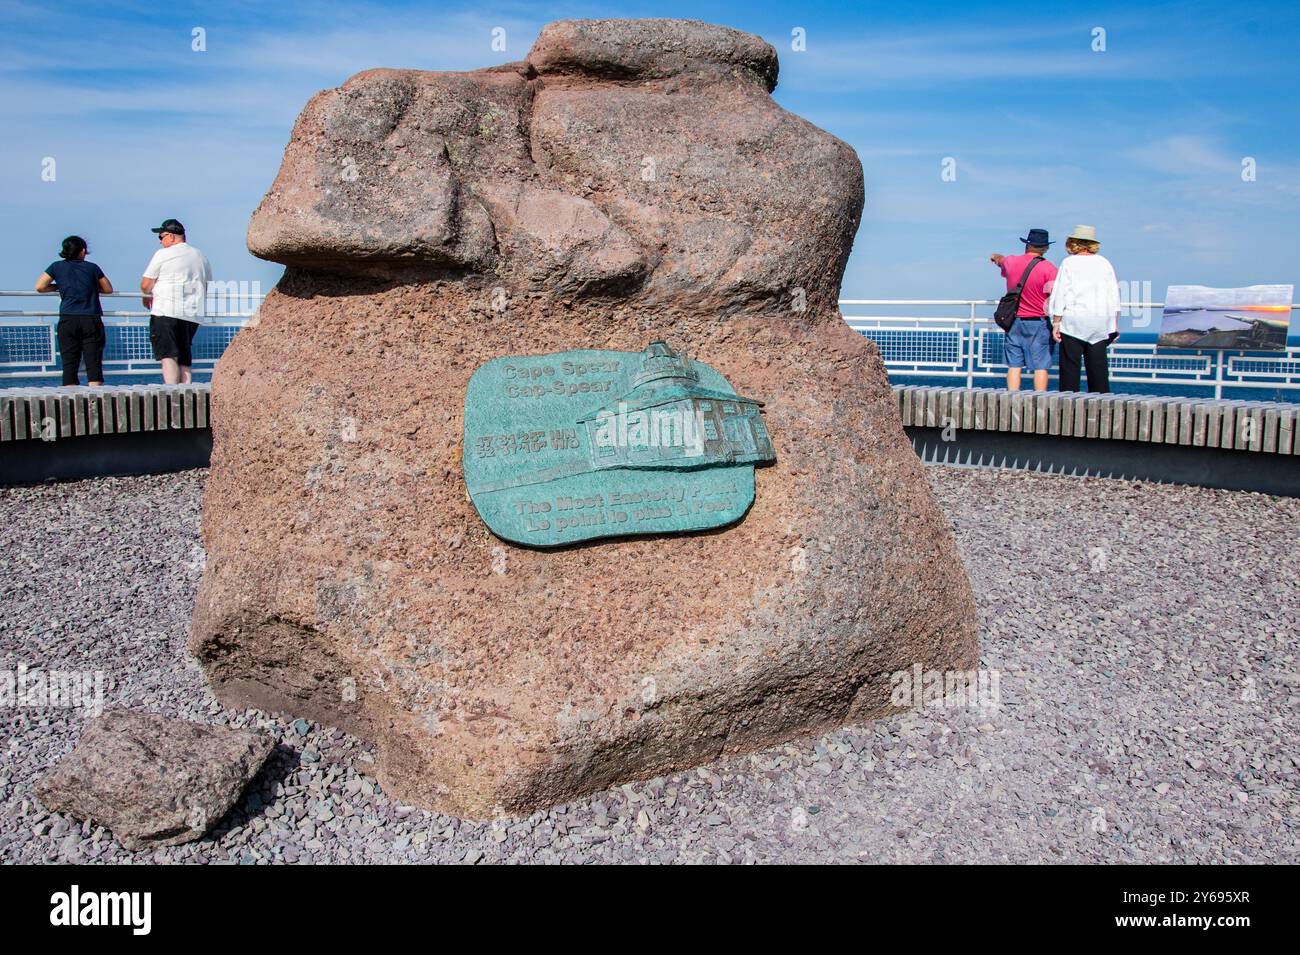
column 1009, row 304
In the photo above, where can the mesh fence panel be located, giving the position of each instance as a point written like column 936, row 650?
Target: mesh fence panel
column 25, row 345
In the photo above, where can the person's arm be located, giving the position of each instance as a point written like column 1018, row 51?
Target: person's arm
column 1056, row 303
column 151, row 273
column 105, row 286
column 45, row 283
column 1112, row 295
column 996, row 258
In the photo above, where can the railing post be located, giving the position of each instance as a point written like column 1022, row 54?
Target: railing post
column 970, row 348
column 1219, row 359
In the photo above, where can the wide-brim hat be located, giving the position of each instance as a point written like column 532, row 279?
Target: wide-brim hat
column 1037, row 238
column 1085, row 232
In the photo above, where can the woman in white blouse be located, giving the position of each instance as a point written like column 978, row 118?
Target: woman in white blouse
column 1085, row 311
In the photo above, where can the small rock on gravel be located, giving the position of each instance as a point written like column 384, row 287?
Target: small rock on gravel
column 153, row 780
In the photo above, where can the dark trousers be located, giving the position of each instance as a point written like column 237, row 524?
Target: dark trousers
column 1075, row 352
column 81, row 336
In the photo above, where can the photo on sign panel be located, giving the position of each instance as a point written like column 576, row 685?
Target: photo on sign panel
column 1254, row 318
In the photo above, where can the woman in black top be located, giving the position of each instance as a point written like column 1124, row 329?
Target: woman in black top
column 81, row 317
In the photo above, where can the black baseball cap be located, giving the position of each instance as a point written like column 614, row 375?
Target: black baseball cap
column 170, row 225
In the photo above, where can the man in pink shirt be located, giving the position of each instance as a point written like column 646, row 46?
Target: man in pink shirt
column 1029, row 342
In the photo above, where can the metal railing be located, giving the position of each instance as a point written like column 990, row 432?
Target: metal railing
column 29, row 345
column 963, row 345
column 968, row 346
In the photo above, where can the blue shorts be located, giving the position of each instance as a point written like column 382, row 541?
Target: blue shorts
column 1029, row 345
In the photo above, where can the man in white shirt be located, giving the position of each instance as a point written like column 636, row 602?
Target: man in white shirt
column 175, row 287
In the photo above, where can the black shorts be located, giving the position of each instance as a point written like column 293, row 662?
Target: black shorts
column 172, row 338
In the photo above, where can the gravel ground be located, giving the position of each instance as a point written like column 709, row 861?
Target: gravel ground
column 1144, row 638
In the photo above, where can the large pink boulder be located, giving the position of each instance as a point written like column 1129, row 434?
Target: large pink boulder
column 630, row 180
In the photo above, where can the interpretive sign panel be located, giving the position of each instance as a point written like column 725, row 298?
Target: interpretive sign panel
column 1255, row 318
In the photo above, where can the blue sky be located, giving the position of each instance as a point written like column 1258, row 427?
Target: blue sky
column 1144, row 140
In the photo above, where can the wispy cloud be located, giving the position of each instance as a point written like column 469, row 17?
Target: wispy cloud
column 925, row 58
column 1185, row 155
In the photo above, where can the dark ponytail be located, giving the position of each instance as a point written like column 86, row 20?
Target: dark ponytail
column 73, row 246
